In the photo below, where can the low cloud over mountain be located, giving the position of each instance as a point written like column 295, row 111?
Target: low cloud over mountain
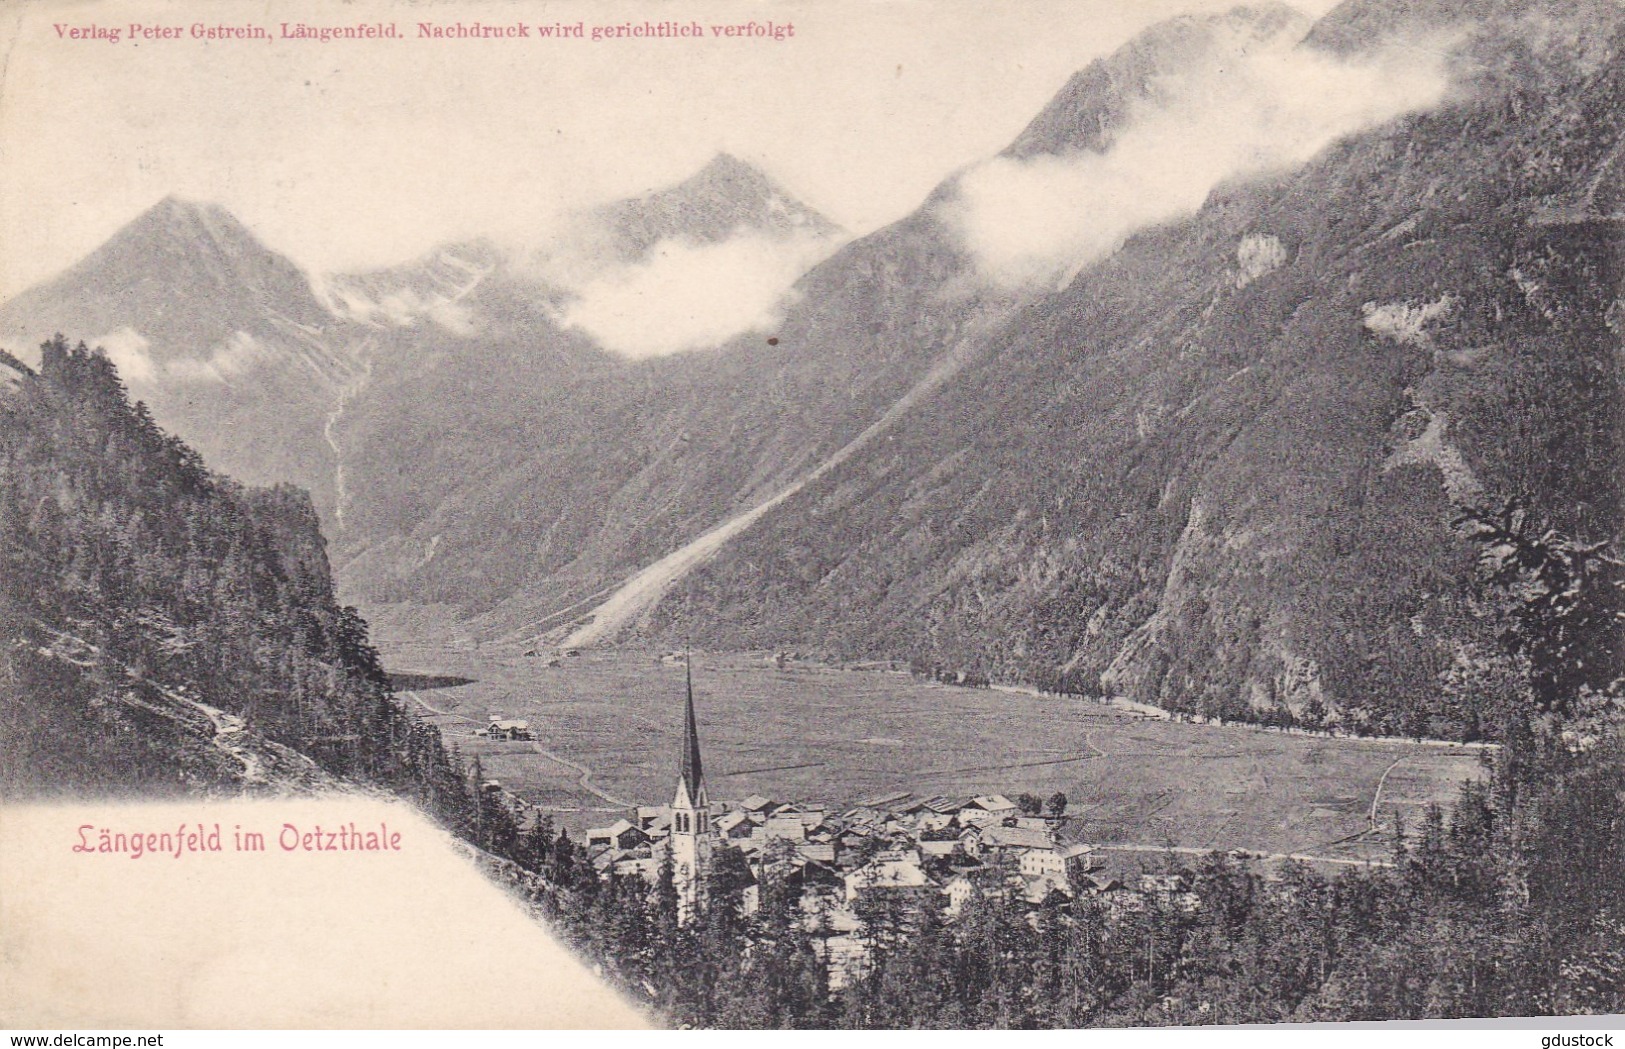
column 679, row 268
column 686, row 267
column 1247, row 99
column 684, row 296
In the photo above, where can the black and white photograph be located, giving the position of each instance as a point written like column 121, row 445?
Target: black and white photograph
column 862, row 515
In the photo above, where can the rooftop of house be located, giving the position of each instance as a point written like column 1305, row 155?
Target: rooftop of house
column 1015, row 837
column 896, row 873
column 614, row 830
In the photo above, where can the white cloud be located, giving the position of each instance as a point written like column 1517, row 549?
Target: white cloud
column 130, row 352
column 127, row 349
column 367, row 153
column 403, row 309
column 684, row 296
column 1240, row 112
column 237, row 355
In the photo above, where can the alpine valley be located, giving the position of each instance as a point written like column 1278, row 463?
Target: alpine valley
column 1228, row 466
column 1273, row 377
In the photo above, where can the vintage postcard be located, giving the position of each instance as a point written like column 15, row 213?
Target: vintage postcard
column 769, row 514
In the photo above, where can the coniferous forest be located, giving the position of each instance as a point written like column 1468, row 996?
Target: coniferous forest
column 153, row 609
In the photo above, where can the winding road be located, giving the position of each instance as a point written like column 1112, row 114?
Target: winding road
column 585, row 779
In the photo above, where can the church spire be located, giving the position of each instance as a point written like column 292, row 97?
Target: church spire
column 691, row 838
column 692, row 774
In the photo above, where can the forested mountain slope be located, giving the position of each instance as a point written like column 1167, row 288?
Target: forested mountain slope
column 617, row 468
column 167, row 630
column 1226, row 468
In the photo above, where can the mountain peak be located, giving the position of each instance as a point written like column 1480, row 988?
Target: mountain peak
column 721, row 199
column 1100, row 98
column 193, row 222
column 185, row 275
column 174, row 204
column 726, row 169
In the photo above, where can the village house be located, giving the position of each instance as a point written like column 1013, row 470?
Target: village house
column 988, row 841
column 1055, row 860
column 506, row 729
column 786, row 823
column 653, row 818
column 735, row 826
column 824, row 854
column 996, row 805
column 1037, row 891
column 888, row 872
column 959, row 890
column 618, row 835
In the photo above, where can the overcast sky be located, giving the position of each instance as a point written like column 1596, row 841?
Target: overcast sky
column 353, row 153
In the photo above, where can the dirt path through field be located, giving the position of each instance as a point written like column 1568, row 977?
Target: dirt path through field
column 585, row 779
column 1376, row 798
column 1304, row 857
column 583, row 773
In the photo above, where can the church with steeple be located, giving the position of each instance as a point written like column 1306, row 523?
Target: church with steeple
column 682, row 834
column 692, row 836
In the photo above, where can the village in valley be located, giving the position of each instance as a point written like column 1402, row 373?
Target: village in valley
column 943, row 851
column 865, row 848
